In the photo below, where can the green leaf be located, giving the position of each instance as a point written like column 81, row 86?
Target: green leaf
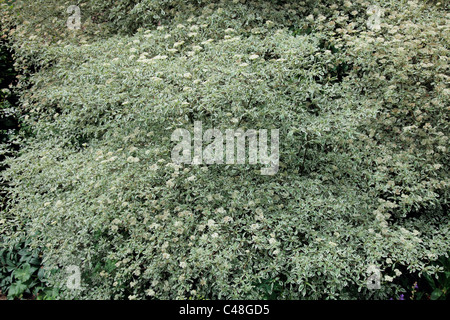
column 24, row 252
column 41, row 273
column 23, row 274
column 430, row 281
column 436, row 294
column 16, row 289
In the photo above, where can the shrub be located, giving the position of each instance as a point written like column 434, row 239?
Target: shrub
column 363, row 176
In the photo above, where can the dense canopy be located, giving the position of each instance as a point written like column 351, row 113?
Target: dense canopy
column 362, row 113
